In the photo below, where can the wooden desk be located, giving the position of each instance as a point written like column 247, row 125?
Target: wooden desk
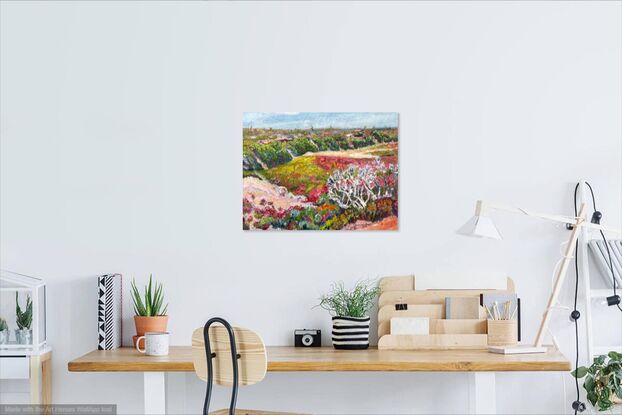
column 480, row 364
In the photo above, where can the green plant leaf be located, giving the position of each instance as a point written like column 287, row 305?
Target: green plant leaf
column 139, row 306
column 615, row 356
column 603, row 380
column 148, row 300
column 354, row 303
column 603, row 402
column 23, row 319
column 579, row 372
column 592, row 397
column 150, row 304
column 157, row 300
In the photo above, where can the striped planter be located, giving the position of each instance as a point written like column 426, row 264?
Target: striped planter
column 350, row 332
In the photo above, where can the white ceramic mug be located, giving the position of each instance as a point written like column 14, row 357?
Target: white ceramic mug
column 156, row 343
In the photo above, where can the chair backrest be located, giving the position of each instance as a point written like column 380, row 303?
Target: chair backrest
column 252, row 362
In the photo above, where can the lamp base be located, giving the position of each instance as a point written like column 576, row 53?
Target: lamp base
column 517, row 349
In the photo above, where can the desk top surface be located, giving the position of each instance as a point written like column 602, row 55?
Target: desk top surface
column 327, row 359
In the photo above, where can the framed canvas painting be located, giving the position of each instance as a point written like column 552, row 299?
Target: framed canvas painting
column 320, row 171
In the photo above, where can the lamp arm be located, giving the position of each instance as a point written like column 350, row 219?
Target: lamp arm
column 483, row 206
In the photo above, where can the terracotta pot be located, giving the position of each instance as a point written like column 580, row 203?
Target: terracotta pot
column 145, row 324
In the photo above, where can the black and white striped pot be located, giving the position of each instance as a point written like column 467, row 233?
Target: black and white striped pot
column 350, row 333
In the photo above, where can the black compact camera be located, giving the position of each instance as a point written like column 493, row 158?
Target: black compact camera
column 307, row 338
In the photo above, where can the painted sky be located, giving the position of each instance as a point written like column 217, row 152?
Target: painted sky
column 287, row 120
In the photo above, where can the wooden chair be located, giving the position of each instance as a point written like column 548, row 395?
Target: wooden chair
column 229, row 356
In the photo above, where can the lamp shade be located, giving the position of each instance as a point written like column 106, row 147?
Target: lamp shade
column 480, row 227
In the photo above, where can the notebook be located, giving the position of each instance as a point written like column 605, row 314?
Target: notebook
column 462, row 308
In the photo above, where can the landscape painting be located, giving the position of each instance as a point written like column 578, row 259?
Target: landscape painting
column 320, row 171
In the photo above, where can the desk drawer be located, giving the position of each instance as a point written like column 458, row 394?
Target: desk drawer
column 14, row 367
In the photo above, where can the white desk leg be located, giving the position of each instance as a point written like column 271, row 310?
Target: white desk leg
column 155, row 393
column 482, row 393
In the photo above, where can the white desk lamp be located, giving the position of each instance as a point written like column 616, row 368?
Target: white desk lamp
column 482, row 226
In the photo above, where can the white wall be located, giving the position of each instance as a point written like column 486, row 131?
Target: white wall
column 121, row 152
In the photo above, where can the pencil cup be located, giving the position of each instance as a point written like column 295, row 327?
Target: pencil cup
column 502, row 332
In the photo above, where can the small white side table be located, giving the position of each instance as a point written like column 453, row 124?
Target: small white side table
column 37, row 368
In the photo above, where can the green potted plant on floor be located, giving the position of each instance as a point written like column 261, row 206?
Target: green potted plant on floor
column 350, row 311
column 4, row 331
column 603, row 380
column 149, row 309
column 23, row 319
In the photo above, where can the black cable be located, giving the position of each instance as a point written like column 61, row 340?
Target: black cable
column 576, row 295
column 592, row 193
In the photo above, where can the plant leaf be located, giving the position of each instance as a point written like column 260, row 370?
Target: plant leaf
column 354, row 303
column 592, row 397
column 139, row 307
column 615, row 356
column 579, row 372
column 603, row 402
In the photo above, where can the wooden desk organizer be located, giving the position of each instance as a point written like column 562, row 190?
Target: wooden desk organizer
column 430, row 302
column 502, row 332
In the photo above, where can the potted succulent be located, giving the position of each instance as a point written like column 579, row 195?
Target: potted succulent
column 350, row 311
column 603, row 380
column 149, row 309
column 4, row 331
column 23, row 333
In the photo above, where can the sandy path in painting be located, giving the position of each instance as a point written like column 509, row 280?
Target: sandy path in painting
column 357, row 153
column 256, row 190
column 385, row 224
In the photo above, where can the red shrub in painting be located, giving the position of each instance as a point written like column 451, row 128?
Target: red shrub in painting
column 389, row 159
column 300, row 190
column 330, row 163
column 247, row 206
column 315, row 194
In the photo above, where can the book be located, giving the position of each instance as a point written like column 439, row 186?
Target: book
column 462, row 308
column 109, row 311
